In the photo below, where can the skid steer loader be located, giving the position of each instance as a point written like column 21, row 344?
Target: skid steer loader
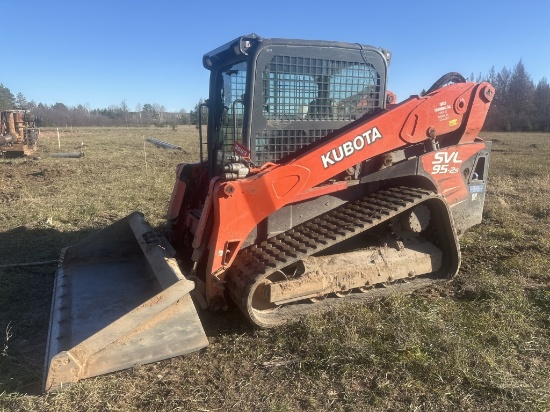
column 313, row 188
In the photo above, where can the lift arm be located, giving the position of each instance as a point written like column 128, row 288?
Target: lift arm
column 238, row 206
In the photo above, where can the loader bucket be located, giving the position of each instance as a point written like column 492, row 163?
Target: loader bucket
column 119, row 300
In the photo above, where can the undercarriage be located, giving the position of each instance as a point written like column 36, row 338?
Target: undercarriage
column 347, row 253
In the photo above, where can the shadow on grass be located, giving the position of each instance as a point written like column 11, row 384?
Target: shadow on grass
column 25, row 300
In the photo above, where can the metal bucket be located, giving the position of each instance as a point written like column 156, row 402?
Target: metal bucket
column 119, row 300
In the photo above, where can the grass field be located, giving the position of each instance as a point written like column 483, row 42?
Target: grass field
column 480, row 342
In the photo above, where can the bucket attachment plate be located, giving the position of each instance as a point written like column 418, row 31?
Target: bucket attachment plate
column 119, row 300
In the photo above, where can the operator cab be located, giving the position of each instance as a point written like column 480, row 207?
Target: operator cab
column 269, row 98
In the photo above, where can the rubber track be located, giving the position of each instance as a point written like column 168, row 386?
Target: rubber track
column 255, row 263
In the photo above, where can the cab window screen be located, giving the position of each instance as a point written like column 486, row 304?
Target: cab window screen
column 306, row 98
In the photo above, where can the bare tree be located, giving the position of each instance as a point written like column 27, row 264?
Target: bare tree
column 138, row 111
column 124, row 109
column 159, row 110
column 184, row 117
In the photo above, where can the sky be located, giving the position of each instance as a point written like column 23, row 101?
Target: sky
column 104, row 52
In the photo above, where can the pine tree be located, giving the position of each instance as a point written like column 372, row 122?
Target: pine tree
column 521, row 90
column 20, row 101
column 7, row 101
column 542, row 105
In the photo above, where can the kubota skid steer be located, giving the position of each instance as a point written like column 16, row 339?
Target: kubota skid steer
column 313, row 188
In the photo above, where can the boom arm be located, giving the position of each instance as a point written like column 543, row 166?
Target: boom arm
column 457, row 110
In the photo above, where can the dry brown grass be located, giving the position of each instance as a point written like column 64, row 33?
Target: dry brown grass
column 480, row 342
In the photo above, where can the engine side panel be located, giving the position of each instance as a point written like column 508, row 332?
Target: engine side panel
column 460, row 174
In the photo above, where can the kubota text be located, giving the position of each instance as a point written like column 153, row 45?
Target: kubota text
column 348, row 148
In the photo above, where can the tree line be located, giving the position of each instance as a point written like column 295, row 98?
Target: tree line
column 121, row 115
column 519, row 105
column 59, row 114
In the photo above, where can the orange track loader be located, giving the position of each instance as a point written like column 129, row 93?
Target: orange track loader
column 313, row 188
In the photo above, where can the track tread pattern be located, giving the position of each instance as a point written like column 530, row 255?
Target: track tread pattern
column 254, row 264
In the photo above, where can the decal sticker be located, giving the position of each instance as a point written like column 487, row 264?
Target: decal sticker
column 445, row 168
column 453, row 122
column 476, row 189
column 442, row 113
column 445, row 162
column 351, row 146
column 241, row 150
